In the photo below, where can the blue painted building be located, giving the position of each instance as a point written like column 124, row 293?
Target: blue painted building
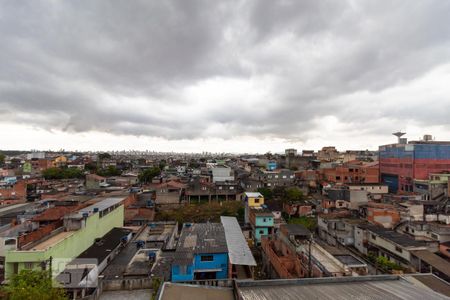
column 262, row 222
column 201, row 253
column 401, row 164
column 271, row 165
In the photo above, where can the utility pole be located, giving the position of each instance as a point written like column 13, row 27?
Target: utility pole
column 50, row 259
column 309, row 258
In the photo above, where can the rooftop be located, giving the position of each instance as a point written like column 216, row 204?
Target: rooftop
column 381, row 287
column 254, row 195
column 238, row 250
column 54, row 213
column 202, row 238
column 102, row 205
column 296, row 229
column 52, row 241
column 433, row 282
column 103, row 247
column 176, row 291
column 393, row 236
column 434, row 260
column 349, row 260
column 340, row 288
column 8, row 208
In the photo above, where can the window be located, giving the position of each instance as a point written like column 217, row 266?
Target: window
column 292, row 176
column 206, row 258
column 261, row 232
column 338, row 177
column 374, row 237
column 284, row 176
column 231, row 187
column 264, row 220
column 398, row 249
column 28, row 265
column 220, row 187
column 276, row 176
column 256, row 200
column 183, row 270
column 10, row 242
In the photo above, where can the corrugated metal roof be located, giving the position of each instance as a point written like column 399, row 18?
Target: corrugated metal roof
column 102, row 205
column 238, row 250
column 376, row 290
column 253, row 194
column 434, row 260
column 14, row 206
column 202, row 238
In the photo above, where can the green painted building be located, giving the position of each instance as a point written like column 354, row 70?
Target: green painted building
column 27, row 167
column 78, row 233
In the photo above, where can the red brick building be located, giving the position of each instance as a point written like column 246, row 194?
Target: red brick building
column 14, row 193
column 352, row 172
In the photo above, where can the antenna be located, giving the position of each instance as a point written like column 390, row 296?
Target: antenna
column 399, row 134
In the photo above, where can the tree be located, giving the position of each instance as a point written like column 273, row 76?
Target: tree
column 103, row 156
column 62, row 173
column 109, row 171
column 309, row 222
column 2, row 159
column 92, row 167
column 293, row 194
column 33, row 285
column 147, row 175
column 53, row 173
column 72, row 173
column 194, row 164
column 266, row 192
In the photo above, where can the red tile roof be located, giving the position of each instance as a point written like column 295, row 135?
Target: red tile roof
column 55, row 213
column 172, row 184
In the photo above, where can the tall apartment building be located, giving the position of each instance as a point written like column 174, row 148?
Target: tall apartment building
column 403, row 162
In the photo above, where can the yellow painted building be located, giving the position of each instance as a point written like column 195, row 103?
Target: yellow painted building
column 254, row 199
column 60, row 161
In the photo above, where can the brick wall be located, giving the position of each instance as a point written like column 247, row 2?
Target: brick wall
column 16, row 192
column 38, row 234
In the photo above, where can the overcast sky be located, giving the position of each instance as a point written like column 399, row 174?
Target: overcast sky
column 222, row 76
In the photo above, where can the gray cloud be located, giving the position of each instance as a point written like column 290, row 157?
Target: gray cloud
column 127, row 68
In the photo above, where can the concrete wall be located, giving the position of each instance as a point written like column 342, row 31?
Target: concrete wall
column 360, row 240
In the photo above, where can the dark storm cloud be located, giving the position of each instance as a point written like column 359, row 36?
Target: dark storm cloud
column 127, row 67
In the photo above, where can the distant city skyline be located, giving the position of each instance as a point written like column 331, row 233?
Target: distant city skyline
column 235, row 76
